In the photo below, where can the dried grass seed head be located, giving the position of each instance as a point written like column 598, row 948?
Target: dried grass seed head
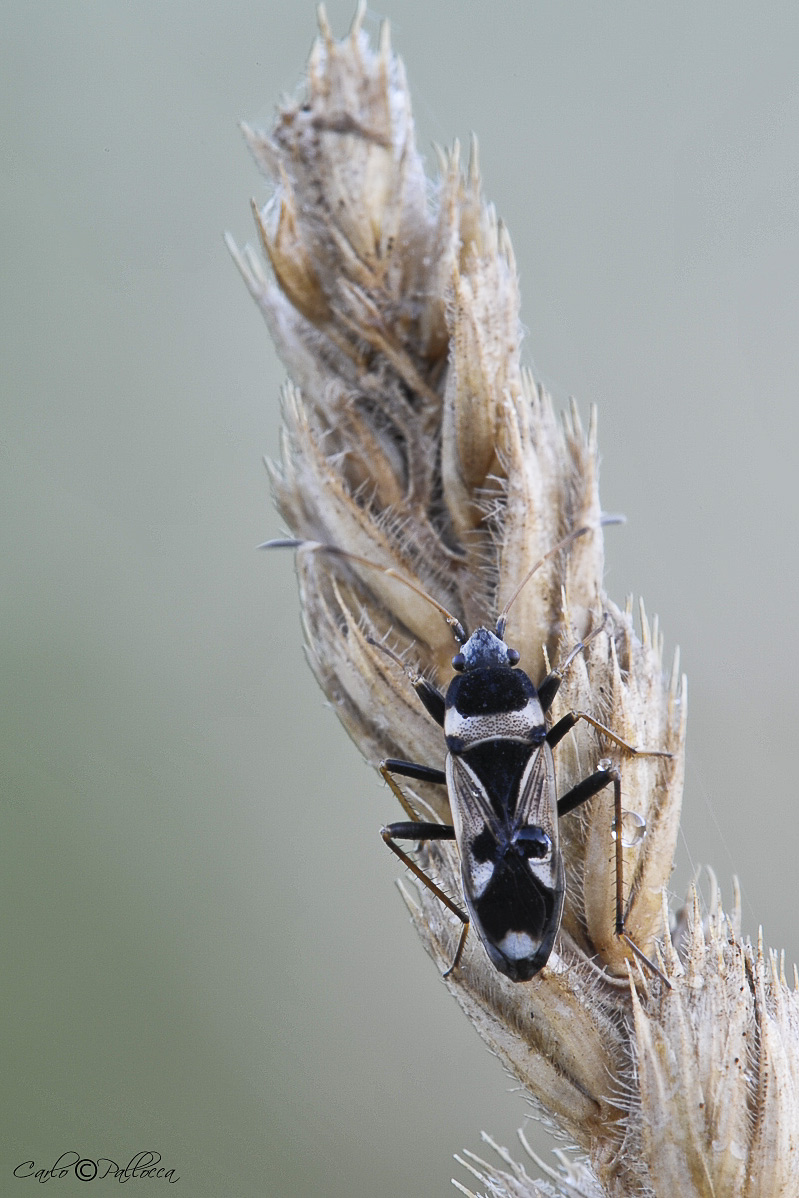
column 413, row 437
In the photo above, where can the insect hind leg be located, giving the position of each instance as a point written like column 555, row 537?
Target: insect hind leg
column 574, row 798
column 415, row 829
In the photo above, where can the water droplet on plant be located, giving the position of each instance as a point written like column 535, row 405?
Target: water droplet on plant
column 633, row 828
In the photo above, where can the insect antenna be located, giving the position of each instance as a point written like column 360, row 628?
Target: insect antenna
column 567, row 540
column 459, row 632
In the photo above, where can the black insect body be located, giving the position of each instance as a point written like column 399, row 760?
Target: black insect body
column 500, row 778
column 501, row 775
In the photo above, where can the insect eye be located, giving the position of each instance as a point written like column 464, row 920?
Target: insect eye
column 458, row 662
column 513, row 656
column 534, row 843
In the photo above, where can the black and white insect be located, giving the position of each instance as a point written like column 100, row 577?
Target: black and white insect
column 500, row 779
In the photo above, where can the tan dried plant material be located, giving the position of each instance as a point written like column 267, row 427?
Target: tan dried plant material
column 413, row 436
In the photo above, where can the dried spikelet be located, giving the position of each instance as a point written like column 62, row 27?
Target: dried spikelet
column 413, row 437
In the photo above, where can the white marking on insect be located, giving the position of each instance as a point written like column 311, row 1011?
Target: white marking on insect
column 499, row 725
column 518, row 946
column 480, row 873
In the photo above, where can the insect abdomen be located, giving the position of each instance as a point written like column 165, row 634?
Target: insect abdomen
column 517, row 917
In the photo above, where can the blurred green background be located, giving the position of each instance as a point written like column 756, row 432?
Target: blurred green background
column 204, row 953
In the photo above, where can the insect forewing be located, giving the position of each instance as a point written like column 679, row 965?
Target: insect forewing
column 472, row 812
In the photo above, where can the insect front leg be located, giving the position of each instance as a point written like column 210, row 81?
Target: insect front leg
column 419, row 831
column 432, row 698
column 551, row 684
column 574, row 798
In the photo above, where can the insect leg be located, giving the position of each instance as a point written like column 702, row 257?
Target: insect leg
column 431, row 697
column 409, row 769
column 551, row 684
column 559, row 730
column 416, row 830
column 580, row 794
column 584, row 791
